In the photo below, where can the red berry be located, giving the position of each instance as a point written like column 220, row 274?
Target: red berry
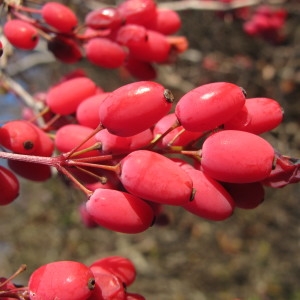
column 62, row 280
column 139, row 175
column 156, row 48
column 71, row 135
column 87, row 113
column 59, row 16
column 209, row 106
column 119, row 211
column 119, row 266
column 108, row 287
column 19, row 136
column 131, row 36
column 237, row 157
column 21, row 34
column 113, row 144
column 258, row 116
column 65, row 49
column 105, row 53
column 104, row 18
column 211, row 200
column 167, row 21
column 139, row 12
column 135, row 107
column 65, row 97
column 9, row 186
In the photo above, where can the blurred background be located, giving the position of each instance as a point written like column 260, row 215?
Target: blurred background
column 254, row 255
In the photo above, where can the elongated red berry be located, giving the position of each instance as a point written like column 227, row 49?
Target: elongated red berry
column 59, row 16
column 140, row 174
column 104, row 18
column 135, row 107
column 62, row 280
column 237, row 157
column 211, row 200
column 71, row 135
column 113, row 144
column 87, row 112
column 9, row 186
column 19, row 136
column 119, row 211
column 258, row 116
column 209, row 106
column 139, row 12
column 119, row 266
column 21, row 34
column 105, row 53
column 156, row 48
column 167, row 21
column 65, row 97
column 108, row 287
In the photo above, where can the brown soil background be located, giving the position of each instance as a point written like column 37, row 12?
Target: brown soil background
column 254, row 255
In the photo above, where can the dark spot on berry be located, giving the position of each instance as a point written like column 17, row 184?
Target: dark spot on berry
column 28, row 145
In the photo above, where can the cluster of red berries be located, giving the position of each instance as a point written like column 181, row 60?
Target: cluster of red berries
column 267, row 23
column 132, row 157
column 135, row 34
column 105, row 279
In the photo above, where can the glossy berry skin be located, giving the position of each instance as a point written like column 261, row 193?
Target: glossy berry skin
column 19, row 136
column 105, row 53
column 141, row 12
column 119, row 211
column 119, row 266
column 59, row 16
column 135, row 107
column 259, row 115
column 211, row 200
column 131, row 35
column 140, row 174
column 62, row 280
column 209, row 106
column 21, row 34
column 237, row 157
column 9, row 186
column 65, row 97
column 108, row 287
column 104, row 18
